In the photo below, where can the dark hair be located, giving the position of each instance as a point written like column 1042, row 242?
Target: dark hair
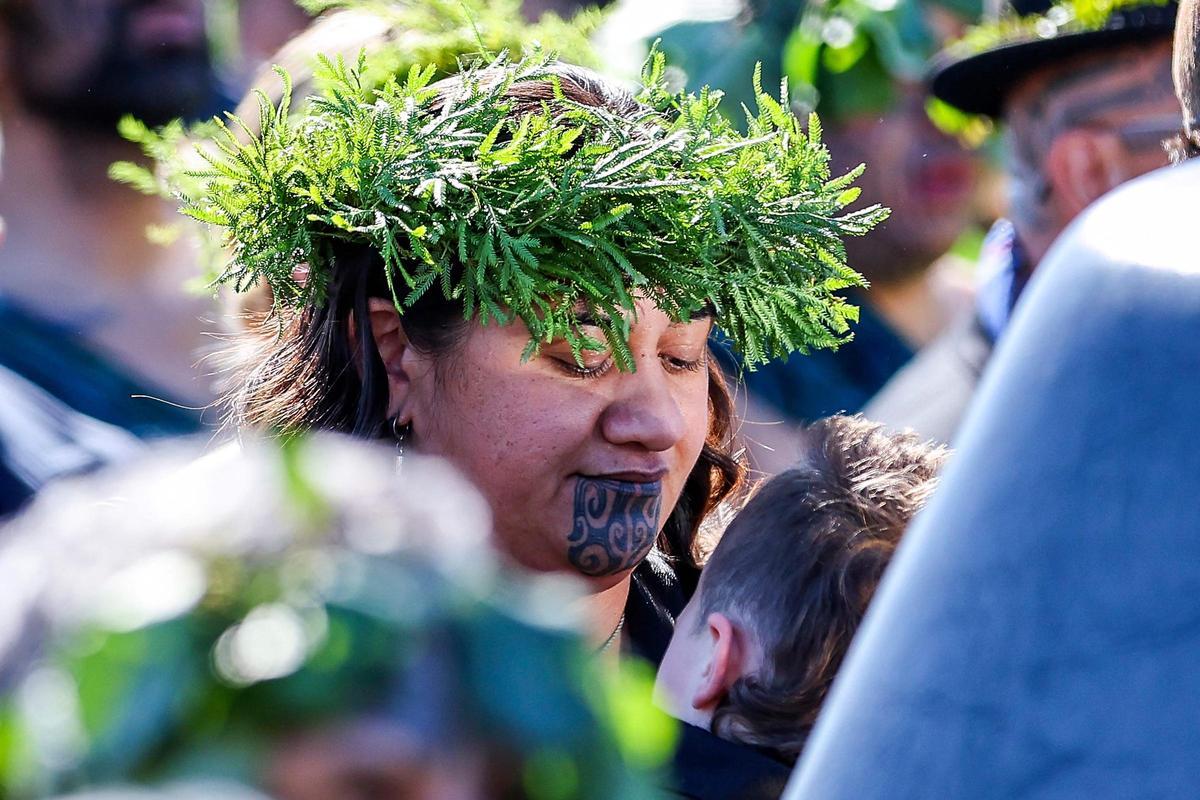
column 1185, row 69
column 1183, row 145
column 800, row 563
column 308, row 369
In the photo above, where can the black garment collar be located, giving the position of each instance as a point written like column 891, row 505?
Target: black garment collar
column 710, row 768
column 657, row 595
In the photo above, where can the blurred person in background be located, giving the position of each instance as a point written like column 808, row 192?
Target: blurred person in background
column 264, row 26
column 1065, row 617
column 1087, row 101
column 42, row 439
column 860, row 67
column 93, row 313
column 293, row 618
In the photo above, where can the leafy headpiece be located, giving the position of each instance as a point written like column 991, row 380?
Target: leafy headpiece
column 545, row 214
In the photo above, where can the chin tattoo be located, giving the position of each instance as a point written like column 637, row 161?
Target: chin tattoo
column 614, row 525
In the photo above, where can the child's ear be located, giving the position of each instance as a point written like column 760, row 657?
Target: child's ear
column 727, row 661
column 394, row 350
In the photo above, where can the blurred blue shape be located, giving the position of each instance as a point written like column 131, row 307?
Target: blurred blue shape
column 1038, row 635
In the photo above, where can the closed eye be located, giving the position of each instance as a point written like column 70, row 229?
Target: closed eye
column 677, row 364
column 571, row 367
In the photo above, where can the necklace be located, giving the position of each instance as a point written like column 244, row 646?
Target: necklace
column 612, row 637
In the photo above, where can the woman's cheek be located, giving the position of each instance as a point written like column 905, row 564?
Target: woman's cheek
column 521, row 452
column 697, row 418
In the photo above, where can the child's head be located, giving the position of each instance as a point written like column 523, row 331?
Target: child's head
column 757, row 648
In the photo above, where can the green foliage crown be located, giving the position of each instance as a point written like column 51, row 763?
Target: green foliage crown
column 544, row 215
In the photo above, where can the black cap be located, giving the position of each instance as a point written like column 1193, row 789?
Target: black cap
column 980, row 82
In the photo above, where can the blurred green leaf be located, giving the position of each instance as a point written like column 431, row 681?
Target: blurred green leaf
column 646, row 735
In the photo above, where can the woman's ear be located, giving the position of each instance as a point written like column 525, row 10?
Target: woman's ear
column 395, row 352
column 727, row 661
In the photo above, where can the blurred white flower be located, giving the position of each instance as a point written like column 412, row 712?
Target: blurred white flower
column 156, row 588
column 48, row 700
column 137, row 544
column 269, row 643
column 838, row 32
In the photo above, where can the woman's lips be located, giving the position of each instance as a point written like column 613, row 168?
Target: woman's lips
column 629, row 476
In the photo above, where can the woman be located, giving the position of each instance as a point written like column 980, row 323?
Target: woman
column 518, row 269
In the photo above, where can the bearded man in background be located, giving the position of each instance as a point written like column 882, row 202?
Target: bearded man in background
column 94, row 315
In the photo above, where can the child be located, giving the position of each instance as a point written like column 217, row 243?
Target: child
column 758, row 646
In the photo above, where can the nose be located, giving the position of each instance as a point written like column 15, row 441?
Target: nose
column 645, row 411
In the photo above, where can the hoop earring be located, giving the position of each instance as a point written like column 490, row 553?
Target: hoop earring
column 400, row 432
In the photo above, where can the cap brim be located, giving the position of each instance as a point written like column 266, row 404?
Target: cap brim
column 979, row 84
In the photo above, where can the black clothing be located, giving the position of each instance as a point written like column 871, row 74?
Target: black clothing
column 657, row 595
column 709, row 768
column 65, row 410
column 706, row 767
column 824, row 382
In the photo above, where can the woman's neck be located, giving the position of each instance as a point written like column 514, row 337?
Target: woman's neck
column 604, row 611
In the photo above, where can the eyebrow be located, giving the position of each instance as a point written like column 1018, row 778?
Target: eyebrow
column 699, row 315
column 599, row 318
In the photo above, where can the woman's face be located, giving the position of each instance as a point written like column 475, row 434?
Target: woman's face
column 582, row 465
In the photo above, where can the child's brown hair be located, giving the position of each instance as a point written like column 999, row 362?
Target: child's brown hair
column 798, row 566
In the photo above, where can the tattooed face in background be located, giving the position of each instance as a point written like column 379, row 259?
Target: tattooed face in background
column 1120, row 103
column 582, row 465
